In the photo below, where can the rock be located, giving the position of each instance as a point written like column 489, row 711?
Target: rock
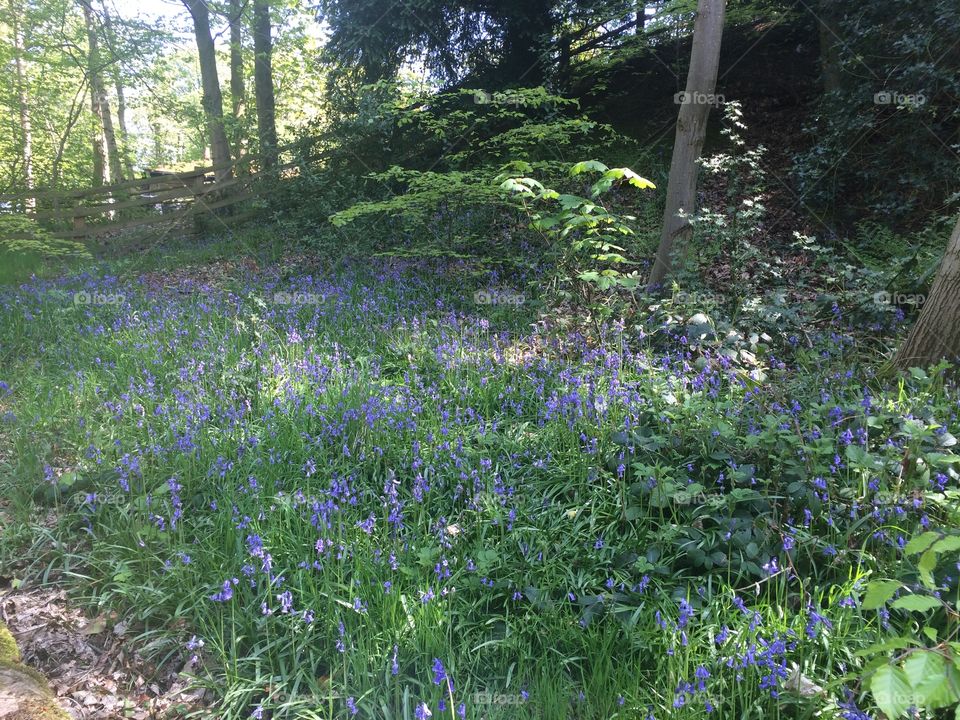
column 24, row 693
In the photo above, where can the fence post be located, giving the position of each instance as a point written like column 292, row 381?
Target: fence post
column 79, row 221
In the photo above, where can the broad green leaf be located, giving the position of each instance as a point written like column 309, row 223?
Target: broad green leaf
column 878, row 592
column 926, row 566
column 947, row 544
column 891, row 691
column 588, row 166
column 932, row 679
column 916, row 603
column 921, row 543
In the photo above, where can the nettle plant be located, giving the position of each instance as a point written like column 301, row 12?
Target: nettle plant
column 588, row 238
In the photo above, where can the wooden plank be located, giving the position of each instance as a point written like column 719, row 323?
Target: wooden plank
column 95, row 230
column 194, row 209
column 183, row 193
column 108, row 189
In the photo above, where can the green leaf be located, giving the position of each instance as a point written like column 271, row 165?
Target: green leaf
column 588, row 166
column 921, row 543
column 916, row 603
column 932, row 678
column 897, row 643
column 878, row 592
column 926, row 566
column 891, row 691
column 947, row 544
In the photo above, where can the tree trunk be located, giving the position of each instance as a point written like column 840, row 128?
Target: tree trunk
column 100, row 106
column 124, row 139
column 23, row 102
column 237, row 86
column 691, row 132
column 263, row 82
column 527, row 29
column 212, row 98
column 641, row 18
column 936, row 335
column 830, row 72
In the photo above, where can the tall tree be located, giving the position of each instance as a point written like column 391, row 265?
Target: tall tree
column 237, row 85
column 691, row 132
column 263, row 82
column 212, row 97
column 829, row 36
column 23, row 102
column 123, row 141
column 105, row 139
column 936, row 335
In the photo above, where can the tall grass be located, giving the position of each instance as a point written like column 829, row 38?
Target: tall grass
column 360, row 494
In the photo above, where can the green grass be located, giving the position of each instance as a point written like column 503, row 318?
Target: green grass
column 587, row 526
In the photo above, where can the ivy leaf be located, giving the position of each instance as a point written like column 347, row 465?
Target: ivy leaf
column 878, row 592
column 891, row 691
column 916, row 603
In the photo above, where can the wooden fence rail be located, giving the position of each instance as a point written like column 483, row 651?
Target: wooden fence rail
column 159, row 198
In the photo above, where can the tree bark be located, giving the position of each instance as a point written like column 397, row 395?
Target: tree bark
column 936, row 334
column 237, row 86
column 527, row 27
column 124, row 139
column 830, row 72
column 691, row 132
column 100, row 105
column 23, row 102
column 212, row 98
column 263, row 82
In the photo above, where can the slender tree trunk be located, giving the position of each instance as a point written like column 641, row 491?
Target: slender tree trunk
column 830, row 72
column 263, row 82
column 237, row 86
column 23, row 101
column 99, row 155
column 936, row 335
column 691, row 132
column 105, row 140
column 124, row 135
column 60, row 140
column 212, row 98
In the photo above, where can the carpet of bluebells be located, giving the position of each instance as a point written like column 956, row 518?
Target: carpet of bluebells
column 361, row 494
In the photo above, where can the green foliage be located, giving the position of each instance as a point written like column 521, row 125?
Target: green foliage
column 917, row 674
column 883, row 143
column 454, row 148
column 26, row 248
column 586, row 240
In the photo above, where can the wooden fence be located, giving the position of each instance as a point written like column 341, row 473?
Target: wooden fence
column 160, row 198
